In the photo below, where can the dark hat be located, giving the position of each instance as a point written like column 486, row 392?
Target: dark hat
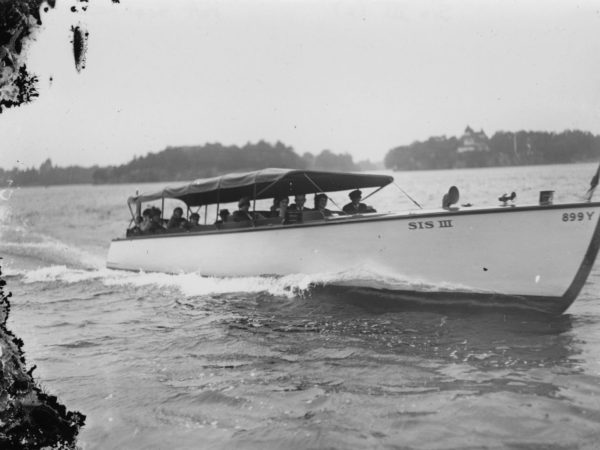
column 244, row 201
column 355, row 194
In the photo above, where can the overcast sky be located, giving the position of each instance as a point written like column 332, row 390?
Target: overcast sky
column 351, row 76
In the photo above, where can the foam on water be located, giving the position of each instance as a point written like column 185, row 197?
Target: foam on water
column 189, row 284
column 23, row 243
column 194, row 284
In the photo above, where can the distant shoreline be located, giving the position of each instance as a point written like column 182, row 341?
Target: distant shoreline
column 15, row 186
column 471, row 150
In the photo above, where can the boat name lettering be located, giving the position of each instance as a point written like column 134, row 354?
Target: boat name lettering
column 428, row 224
column 572, row 217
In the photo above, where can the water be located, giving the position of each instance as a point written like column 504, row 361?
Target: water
column 182, row 361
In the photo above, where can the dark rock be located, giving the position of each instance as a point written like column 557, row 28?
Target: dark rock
column 29, row 418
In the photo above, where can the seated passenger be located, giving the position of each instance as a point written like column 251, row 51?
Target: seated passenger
column 355, row 206
column 280, row 206
column 156, row 224
column 193, row 224
column 146, row 220
column 243, row 213
column 298, row 205
column 176, row 220
column 224, row 215
column 321, row 204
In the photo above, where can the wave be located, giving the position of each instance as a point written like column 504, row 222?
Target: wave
column 51, row 252
column 189, row 284
column 30, row 248
column 194, row 284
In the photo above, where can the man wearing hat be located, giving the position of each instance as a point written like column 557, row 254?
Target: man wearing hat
column 355, row 206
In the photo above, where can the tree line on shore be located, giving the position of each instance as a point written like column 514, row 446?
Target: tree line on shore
column 182, row 164
column 502, row 149
column 191, row 162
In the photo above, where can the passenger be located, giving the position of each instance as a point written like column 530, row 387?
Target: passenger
column 243, row 213
column 146, row 224
column 193, row 224
column 294, row 211
column 224, row 215
column 355, row 206
column 321, row 204
column 156, row 224
column 279, row 209
column 298, row 205
column 177, row 220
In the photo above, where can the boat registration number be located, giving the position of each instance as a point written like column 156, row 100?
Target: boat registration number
column 573, row 217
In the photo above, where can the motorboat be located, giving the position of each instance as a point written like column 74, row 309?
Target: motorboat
column 533, row 256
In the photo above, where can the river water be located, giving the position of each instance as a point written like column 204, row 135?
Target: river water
column 161, row 361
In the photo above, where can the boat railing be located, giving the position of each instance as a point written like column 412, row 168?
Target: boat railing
column 269, row 221
column 234, row 225
column 308, row 216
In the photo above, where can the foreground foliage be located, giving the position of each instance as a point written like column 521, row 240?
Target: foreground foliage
column 29, row 418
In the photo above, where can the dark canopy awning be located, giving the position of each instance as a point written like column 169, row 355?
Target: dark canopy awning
column 266, row 183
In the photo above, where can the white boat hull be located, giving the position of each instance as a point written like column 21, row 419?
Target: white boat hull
column 529, row 254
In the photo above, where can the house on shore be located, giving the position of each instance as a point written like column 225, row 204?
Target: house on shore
column 472, row 141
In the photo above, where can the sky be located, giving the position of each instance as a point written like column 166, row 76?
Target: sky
column 358, row 77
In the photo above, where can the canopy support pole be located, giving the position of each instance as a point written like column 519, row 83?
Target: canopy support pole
column 131, row 211
column 218, row 199
column 205, row 213
column 132, row 216
column 321, row 190
column 411, row 199
column 265, row 189
column 374, row 192
column 254, row 203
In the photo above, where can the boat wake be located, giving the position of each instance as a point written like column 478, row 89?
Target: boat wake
column 194, row 284
column 22, row 247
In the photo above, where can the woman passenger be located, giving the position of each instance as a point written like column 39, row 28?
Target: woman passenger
column 193, row 224
column 224, row 215
column 176, row 220
column 279, row 207
column 156, row 224
column 146, row 224
column 321, row 204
